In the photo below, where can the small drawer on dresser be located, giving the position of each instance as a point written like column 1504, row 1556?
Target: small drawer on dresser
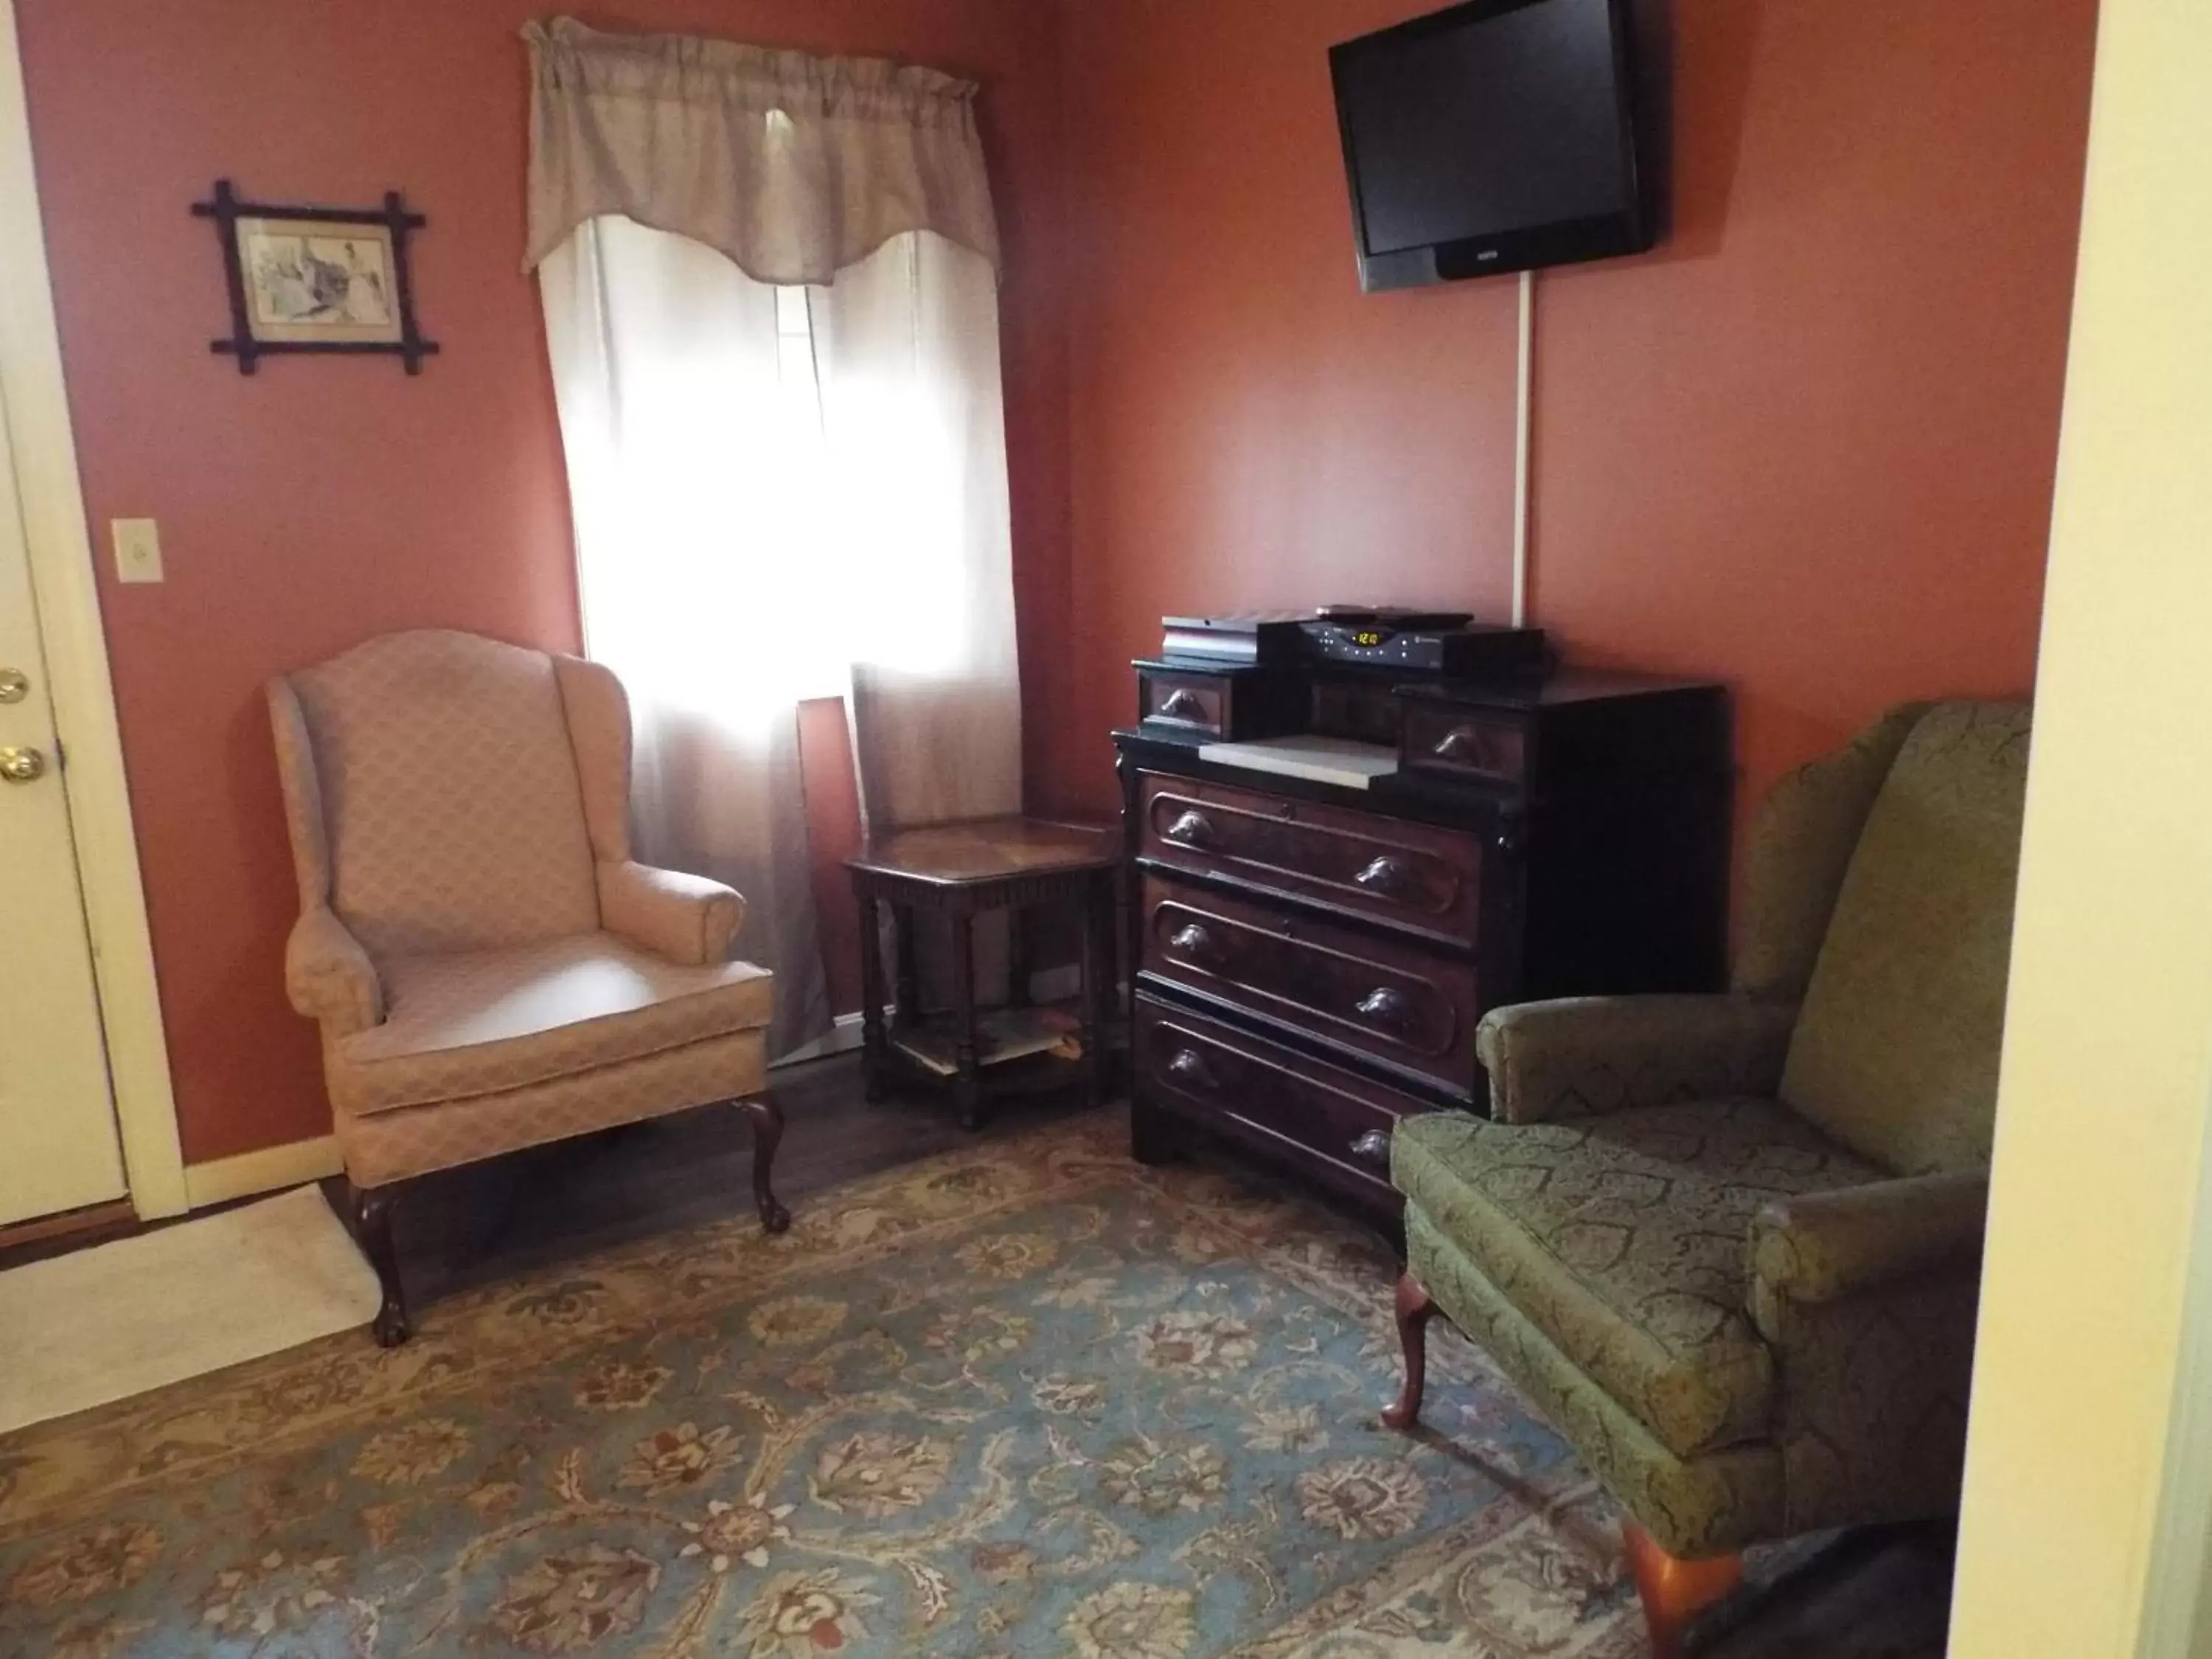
column 1415, row 875
column 1464, row 743
column 1401, row 1003
column 1214, row 1071
column 1199, row 702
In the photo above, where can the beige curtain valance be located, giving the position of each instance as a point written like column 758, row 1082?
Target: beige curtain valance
column 793, row 165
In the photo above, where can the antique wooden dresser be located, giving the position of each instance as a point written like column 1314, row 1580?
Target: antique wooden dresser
column 1310, row 958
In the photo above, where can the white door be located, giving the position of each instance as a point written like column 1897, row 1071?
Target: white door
column 58, row 1144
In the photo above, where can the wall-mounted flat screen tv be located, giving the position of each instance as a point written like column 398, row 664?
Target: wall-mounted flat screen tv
column 1497, row 136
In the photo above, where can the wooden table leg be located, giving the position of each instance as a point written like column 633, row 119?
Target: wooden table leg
column 967, row 1075
column 906, row 1007
column 1017, row 959
column 1097, row 924
column 873, row 1057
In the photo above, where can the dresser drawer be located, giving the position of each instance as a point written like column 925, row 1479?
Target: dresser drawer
column 1413, row 874
column 1464, row 743
column 1398, row 1003
column 1232, row 1080
column 1193, row 702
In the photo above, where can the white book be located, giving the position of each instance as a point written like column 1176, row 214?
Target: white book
column 1320, row 760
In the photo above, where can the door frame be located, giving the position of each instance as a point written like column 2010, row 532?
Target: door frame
column 34, row 402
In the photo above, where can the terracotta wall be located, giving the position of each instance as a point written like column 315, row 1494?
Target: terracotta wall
column 1807, row 447
column 321, row 502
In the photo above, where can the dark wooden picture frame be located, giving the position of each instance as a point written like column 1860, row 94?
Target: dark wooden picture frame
column 381, row 323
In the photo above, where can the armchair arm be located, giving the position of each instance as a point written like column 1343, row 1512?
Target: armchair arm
column 687, row 918
column 1867, row 1298
column 1581, row 1056
column 328, row 975
column 1825, row 1246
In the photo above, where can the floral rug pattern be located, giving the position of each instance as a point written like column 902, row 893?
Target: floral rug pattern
column 1031, row 1400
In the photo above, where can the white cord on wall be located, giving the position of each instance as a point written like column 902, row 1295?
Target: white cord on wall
column 1525, row 398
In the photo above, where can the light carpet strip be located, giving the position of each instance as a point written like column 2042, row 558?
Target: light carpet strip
column 100, row 1325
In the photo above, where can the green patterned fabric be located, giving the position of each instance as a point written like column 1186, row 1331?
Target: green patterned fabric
column 1623, row 1238
column 1698, row 1506
column 1872, row 1389
column 1585, row 1056
column 1895, row 1053
column 1825, row 1246
column 1731, row 1245
column 1801, row 847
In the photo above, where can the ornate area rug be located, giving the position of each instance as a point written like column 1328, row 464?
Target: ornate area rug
column 1031, row 1400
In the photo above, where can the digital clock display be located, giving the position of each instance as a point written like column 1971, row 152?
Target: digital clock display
column 1368, row 638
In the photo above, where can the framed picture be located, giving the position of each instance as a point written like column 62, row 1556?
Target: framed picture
column 308, row 279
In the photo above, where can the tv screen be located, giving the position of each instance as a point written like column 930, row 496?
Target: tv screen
column 1494, row 137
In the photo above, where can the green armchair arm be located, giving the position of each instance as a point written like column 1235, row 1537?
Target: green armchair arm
column 1867, row 1298
column 1825, row 1246
column 1583, row 1055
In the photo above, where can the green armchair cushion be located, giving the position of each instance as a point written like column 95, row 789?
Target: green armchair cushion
column 1801, row 847
column 1586, row 1056
column 1895, row 1053
column 1694, row 1506
column 1623, row 1238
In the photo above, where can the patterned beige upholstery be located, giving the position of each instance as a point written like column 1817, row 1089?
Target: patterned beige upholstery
column 391, row 1147
column 475, row 1022
column 490, row 968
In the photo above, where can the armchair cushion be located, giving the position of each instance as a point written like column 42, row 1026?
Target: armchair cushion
column 1622, row 1238
column 689, row 919
column 1584, row 1056
column 1896, row 1052
column 448, row 794
column 328, row 977
column 474, row 1022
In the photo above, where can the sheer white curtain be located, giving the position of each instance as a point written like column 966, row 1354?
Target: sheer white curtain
column 783, row 489
column 907, row 343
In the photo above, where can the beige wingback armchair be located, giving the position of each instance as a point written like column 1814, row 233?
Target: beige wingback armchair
column 1731, row 1245
column 490, row 968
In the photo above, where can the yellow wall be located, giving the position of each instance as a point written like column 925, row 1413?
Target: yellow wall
column 2107, row 1062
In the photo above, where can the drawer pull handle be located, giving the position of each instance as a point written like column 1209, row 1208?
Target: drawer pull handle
column 1189, row 1070
column 1387, row 1007
column 1184, row 706
column 1373, row 1147
column 1191, row 829
column 1462, row 743
column 1387, row 876
column 1192, row 940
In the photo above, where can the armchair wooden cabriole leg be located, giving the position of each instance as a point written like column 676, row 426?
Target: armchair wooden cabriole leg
column 1414, row 1311
column 368, row 1215
column 768, row 1134
column 1674, row 1591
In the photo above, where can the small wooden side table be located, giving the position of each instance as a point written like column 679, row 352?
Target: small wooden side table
column 959, row 871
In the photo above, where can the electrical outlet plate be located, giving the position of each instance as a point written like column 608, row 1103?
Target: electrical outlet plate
column 137, row 549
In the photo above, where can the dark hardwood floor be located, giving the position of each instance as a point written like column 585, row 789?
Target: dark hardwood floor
column 1882, row 1594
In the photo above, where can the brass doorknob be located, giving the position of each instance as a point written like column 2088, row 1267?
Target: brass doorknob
column 21, row 765
column 14, row 685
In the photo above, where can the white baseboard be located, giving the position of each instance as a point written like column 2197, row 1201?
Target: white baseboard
column 268, row 1170
column 1047, row 985
column 842, row 1037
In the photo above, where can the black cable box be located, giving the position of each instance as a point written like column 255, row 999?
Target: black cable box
column 1458, row 650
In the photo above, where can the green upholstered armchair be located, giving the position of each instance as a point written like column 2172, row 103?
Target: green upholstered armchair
column 1731, row 1245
